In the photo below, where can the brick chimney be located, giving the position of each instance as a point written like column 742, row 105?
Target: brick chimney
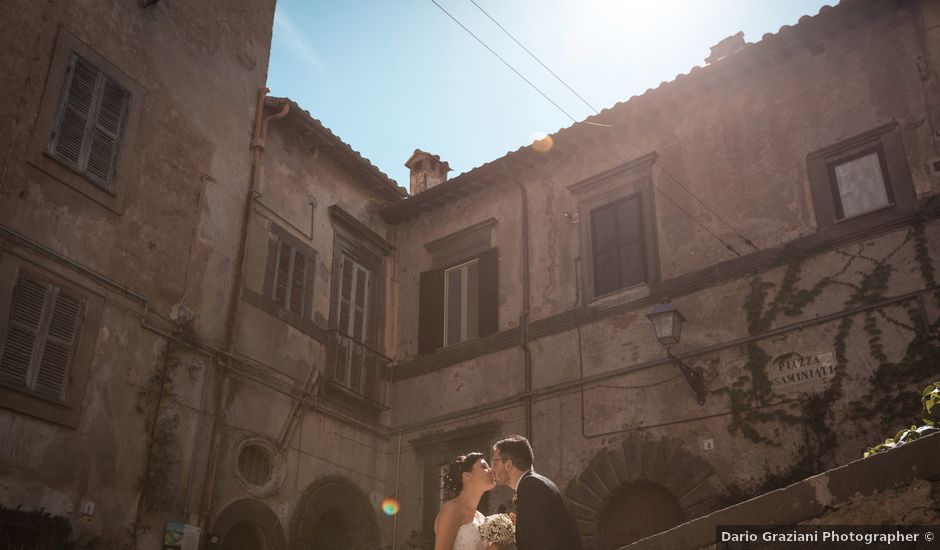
column 427, row 170
column 726, row 47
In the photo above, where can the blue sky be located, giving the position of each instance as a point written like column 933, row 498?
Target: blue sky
column 392, row 76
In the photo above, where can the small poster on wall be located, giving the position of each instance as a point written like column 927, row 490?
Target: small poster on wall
column 180, row 536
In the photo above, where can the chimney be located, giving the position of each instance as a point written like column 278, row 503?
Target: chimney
column 726, row 47
column 427, row 170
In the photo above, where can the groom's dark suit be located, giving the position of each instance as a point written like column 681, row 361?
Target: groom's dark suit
column 543, row 520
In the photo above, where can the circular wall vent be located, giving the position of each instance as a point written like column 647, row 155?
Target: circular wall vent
column 255, row 465
column 260, row 467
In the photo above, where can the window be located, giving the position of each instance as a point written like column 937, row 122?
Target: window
column 459, row 297
column 88, row 124
column 48, row 328
column 618, row 231
column 617, row 245
column 859, row 184
column 461, row 302
column 40, row 337
column 353, row 308
column 861, row 181
column 84, row 134
column 290, row 278
column 355, row 365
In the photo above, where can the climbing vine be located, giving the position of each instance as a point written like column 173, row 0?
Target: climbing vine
column 154, row 402
column 756, row 409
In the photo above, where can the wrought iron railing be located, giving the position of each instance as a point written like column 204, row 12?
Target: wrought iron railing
column 358, row 368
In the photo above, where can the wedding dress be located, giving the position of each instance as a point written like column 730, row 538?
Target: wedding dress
column 468, row 536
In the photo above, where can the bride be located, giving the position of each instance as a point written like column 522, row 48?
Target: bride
column 456, row 526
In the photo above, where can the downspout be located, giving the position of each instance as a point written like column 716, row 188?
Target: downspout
column 223, row 393
column 524, row 315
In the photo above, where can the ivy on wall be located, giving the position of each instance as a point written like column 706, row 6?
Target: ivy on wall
column 154, row 402
column 757, row 412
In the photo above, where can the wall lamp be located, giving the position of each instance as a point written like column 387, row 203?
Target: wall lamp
column 667, row 324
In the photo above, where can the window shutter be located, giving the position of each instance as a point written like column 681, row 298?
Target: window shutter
column 29, row 301
column 270, row 267
column 357, row 356
column 344, row 307
column 282, row 280
column 89, row 122
column 75, row 113
column 298, row 283
column 632, row 249
column 106, row 132
column 604, row 244
column 57, row 348
column 618, row 245
column 489, row 292
column 431, row 311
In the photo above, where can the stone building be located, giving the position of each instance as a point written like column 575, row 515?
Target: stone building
column 219, row 321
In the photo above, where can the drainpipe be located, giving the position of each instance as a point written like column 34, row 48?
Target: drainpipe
column 524, row 316
column 223, row 393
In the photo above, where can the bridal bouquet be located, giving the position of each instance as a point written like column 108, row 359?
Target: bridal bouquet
column 498, row 529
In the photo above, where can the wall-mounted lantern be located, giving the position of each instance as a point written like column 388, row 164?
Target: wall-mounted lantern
column 667, row 324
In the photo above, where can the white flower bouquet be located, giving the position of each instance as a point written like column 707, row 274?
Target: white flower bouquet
column 498, row 529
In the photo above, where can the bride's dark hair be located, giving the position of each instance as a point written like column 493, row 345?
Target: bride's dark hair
column 453, row 479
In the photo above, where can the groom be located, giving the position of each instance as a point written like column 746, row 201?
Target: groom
column 543, row 520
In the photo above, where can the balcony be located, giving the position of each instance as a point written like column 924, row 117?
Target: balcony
column 357, row 374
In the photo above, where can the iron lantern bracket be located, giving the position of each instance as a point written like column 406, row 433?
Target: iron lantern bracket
column 694, row 376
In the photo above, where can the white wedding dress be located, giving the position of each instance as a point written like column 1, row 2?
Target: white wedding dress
column 468, row 536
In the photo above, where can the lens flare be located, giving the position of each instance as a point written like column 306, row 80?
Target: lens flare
column 543, row 144
column 390, row 506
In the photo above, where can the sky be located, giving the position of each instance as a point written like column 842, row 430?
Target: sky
column 392, row 76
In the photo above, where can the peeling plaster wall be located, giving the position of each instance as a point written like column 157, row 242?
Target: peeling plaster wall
column 737, row 134
column 199, row 67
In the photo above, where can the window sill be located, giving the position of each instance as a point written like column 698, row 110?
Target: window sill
column 620, row 296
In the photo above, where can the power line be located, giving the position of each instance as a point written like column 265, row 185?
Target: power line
column 544, row 66
column 513, row 69
column 543, row 94
column 572, row 90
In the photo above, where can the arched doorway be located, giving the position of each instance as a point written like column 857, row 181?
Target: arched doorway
column 249, row 524
column 619, row 480
column 635, row 512
column 334, row 514
column 245, row 535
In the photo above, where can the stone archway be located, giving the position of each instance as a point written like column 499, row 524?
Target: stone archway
column 661, row 472
column 334, row 514
column 249, row 523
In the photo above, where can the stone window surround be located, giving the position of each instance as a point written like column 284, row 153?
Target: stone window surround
column 68, row 412
column 886, row 141
column 462, row 245
column 630, row 178
column 115, row 198
column 369, row 249
column 440, row 448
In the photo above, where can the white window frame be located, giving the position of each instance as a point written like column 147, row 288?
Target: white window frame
column 464, row 269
